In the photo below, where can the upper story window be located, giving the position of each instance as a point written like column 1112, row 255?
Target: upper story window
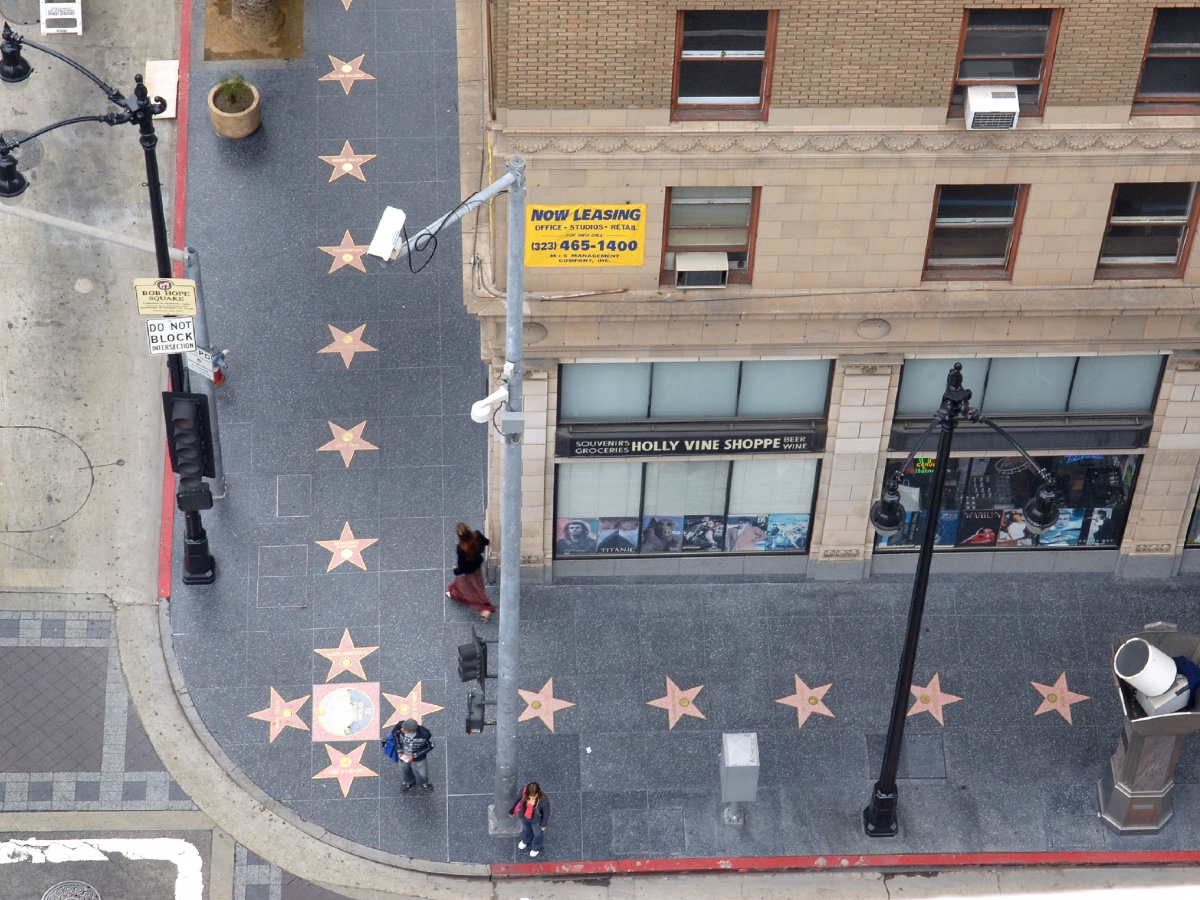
column 1149, row 230
column 974, row 231
column 723, row 64
column 1007, row 46
column 701, row 222
column 1170, row 82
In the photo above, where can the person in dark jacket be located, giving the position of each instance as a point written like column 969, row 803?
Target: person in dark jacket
column 467, row 587
column 413, row 743
column 534, row 810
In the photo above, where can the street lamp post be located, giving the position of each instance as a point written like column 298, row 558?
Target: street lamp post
column 887, row 517
column 138, row 110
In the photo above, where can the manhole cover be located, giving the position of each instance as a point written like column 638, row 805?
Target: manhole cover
column 71, row 890
column 27, row 155
column 19, row 13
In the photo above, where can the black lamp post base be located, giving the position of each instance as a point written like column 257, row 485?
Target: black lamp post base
column 198, row 565
column 879, row 818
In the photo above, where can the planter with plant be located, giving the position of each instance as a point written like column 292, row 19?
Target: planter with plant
column 233, row 105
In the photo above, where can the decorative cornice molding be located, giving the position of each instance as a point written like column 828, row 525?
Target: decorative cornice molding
column 531, row 142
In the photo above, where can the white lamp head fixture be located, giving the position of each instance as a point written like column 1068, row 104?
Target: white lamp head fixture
column 481, row 410
column 388, row 235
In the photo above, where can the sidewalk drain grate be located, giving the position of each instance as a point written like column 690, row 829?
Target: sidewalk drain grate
column 71, row 890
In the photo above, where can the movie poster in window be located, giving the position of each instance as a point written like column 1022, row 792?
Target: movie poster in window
column 575, row 536
column 977, row 528
column 746, row 534
column 661, row 534
column 1066, row 531
column 1104, row 527
column 787, row 532
column 1012, row 531
column 913, row 530
column 617, row 535
column 703, row 534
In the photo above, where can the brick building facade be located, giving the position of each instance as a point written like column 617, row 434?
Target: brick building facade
column 864, row 239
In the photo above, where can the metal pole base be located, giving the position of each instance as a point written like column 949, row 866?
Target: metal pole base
column 506, row 826
column 734, row 815
column 879, row 818
column 198, row 565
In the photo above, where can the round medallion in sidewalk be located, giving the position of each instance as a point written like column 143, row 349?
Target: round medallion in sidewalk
column 71, row 890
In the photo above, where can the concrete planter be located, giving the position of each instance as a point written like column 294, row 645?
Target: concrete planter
column 236, row 124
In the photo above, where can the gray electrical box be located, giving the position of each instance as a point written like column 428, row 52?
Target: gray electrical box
column 739, row 767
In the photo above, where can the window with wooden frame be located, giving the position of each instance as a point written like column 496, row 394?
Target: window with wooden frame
column 1170, row 81
column 974, row 231
column 723, row 64
column 1007, row 46
column 1149, row 231
column 717, row 224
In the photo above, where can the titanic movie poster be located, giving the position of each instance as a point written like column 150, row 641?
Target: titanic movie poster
column 617, row 535
column 1065, row 532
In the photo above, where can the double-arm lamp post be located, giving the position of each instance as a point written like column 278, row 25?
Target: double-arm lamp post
column 887, row 517
column 138, row 110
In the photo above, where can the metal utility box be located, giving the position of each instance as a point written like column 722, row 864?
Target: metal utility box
column 739, row 767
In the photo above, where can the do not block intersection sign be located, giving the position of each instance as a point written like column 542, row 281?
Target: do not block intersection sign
column 175, row 335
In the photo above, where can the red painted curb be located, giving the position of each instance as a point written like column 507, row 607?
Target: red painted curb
column 834, row 863
column 181, row 131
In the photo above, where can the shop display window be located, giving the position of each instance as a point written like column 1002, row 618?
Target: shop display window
column 684, row 507
column 983, row 496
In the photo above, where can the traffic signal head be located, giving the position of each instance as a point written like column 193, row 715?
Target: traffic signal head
column 472, row 660
column 475, row 713
column 189, row 440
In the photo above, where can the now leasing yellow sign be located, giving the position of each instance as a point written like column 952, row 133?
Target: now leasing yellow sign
column 606, row 235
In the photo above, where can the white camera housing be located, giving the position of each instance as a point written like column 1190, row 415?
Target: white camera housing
column 481, row 410
column 386, row 242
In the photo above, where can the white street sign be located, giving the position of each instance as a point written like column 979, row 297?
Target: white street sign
column 200, row 361
column 176, row 335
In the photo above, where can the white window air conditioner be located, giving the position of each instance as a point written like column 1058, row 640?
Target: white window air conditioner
column 991, row 107
column 701, row 270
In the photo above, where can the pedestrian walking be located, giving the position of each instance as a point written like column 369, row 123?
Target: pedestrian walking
column 411, row 743
column 467, row 587
column 534, row 810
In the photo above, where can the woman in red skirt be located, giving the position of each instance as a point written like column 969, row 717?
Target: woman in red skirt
column 467, row 587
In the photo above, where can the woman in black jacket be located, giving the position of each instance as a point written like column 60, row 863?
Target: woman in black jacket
column 534, row 810
column 467, row 587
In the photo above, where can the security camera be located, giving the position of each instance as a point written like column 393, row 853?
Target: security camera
column 481, row 410
column 386, row 242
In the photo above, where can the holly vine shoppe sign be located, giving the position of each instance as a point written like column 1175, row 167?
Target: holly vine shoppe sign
column 690, row 492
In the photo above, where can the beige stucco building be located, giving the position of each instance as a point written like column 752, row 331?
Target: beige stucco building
column 839, row 202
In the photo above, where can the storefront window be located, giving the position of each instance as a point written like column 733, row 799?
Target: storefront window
column 689, row 507
column 983, row 496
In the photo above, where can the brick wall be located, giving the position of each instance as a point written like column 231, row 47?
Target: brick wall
column 875, row 53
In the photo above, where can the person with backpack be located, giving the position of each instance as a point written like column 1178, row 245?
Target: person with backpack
column 408, row 745
column 534, row 810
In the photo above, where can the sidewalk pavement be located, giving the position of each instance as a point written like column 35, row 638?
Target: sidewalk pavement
column 77, row 590
column 350, row 457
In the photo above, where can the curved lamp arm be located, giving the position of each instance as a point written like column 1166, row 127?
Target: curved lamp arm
column 107, row 118
column 1042, row 510
column 11, row 37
